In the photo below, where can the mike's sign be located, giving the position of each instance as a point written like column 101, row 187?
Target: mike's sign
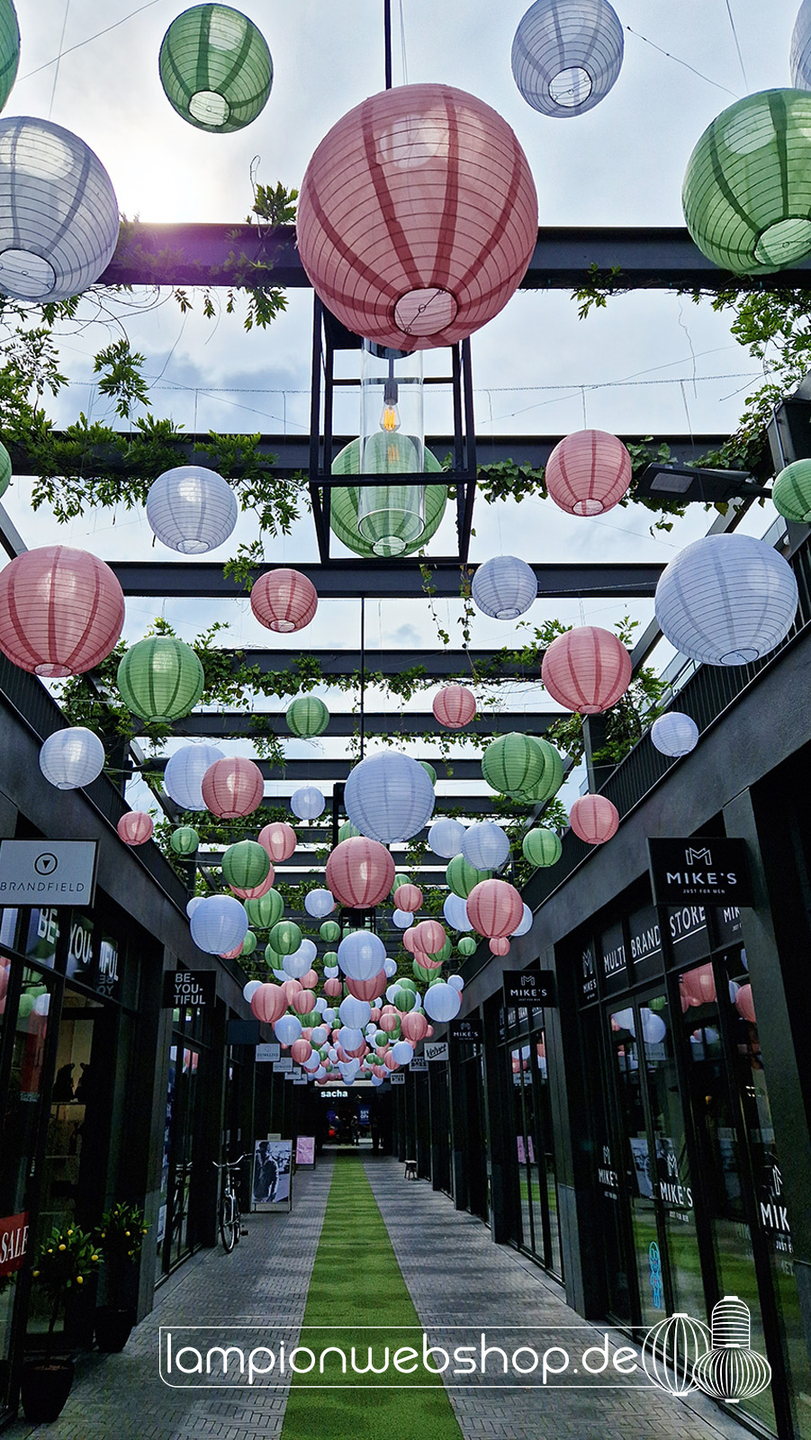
column 13, row 1241
column 713, row 870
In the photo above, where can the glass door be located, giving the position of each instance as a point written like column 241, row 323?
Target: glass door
column 639, row 1161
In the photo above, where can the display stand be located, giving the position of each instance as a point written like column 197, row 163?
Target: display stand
column 272, row 1181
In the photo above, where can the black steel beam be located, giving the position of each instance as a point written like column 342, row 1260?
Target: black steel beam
column 233, row 723
column 317, row 770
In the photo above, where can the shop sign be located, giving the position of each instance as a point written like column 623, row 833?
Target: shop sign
column 714, row 870
column 528, row 987
column 614, row 959
column 607, row 1177
column 588, row 975
column 645, row 940
column 281, row 1067
column 268, row 1053
column 288, row 1074
column 13, row 1241
column 397, row 1079
column 63, row 872
column 299, row 1078
column 688, row 932
column 419, row 1065
column 189, row 987
column 468, row 1030
column 773, row 1212
column 436, row 1051
column 728, row 924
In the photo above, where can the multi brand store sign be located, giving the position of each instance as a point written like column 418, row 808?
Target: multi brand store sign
column 713, row 870
column 61, row 872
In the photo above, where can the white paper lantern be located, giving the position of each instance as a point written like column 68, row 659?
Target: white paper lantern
column 524, row 925
column 193, row 903
column 191, row 509
column 350, row 1037
column 456, row 982
column 389, row 968
column 800, row 58
column 567, row 54
column 296, row 966
column 319, row 1036
column 319, row 903
column 249, row 990
column 403, row 919
column 726, row 600
column 354, row 1013
column 485, row 846
column 287, row 1029
column 72, row 758
column 674, row 733
column 307, row 802
column 389, row 797
column 58, row 212
column 312, row 1063
column 219, row 924
column 331, row 972
column 455, row 911
column 183, row 776
column 445, row 838
column 504, row 587
column 654, row 1028
column 361, row 955
column 402, row 1052
column 442, row 1002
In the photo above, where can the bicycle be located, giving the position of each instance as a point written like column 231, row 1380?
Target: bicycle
column 230, row 1216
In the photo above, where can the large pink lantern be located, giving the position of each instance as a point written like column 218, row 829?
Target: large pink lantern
column 233, row 787
column 429, row 936
column 495, row 908
column 408, row 898
column 268, row 1003
column 290, row 989
column 414, row 1027
column 61, row 611
column 304, row 1002
column 360, row 872
column 279, row 839
column 417, row 216
column 587, row 669
column 367, row 989
column 135, row 828
column 409, row 943
column 594, row 818
column 588, row 472
column 454, row 707
column 284, row 600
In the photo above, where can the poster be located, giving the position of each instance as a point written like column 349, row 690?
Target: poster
column 305, row 1150
column 271, row 1172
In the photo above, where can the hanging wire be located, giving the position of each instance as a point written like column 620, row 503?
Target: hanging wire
column 403, row 45
column 59, row 56
column 81, row 43
column 668, row 55
column 583, row 399
column 737, row 42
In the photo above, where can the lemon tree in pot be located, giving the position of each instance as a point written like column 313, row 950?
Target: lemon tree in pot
column 64, row 1263
column 119, row 1238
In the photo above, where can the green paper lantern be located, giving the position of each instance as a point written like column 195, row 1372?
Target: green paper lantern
column 381, row 1038
column 445, row 952
column 185, row 840
column 330, row 931
column 747, row 187
column 272, row 958
column 9, row 51
column 347, row 830
column 429, row 770
column 215, row 68
column 307, row 716
column 330, row 958
column 422, row 973
column 551, row 776
column 5, row 458
column 404, row 1000
column 398, row 881
column 792, row 492
column 285, row 938
column 541, row 847
column 462, row 876
column 245, row 865
column 513, row 763
column 467, row 945
column 344, row 503
column 406, row 985
column 160, row 679
column 249, row 944
column 266, row 911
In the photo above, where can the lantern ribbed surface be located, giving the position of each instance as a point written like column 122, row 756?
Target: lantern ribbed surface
column 674, row 734
column 5, row 469
column 495, row 907
column 330, row 931
column 72, row 758
column 417, row 216
column 588, row 472
column 215, row 68
column 183, row 776
column 594, row 818
column 504, row 587
column 61, row 611
column 219, row 924
column 245, row 864
column 58, row 212
column 791, row 494
column 445, row 838
column 307, row 716
column 360, row 872
column 747, row 187
column 671, row 1350
column 542, row 847
column 135, row 828
column 184, row 840
column 467, row 945
column 279, row 839
column 454, row 706
column 800, row 54
column 551, row 777
column 9, row 49
column 567, row 54
column 462, row 877
column 285, row 938
column 442, row 1003
column 486, row 845
column 408, row 897
column 191, row 509
column 389, row 797
column 513, row 763
column 284, row 600
column 266, row 910
column 307, row 803
column 587, row 670
column 361, row 955
column 319, row 903
column 160, row 678
column 726, row 599
column 345, row 503
column 233, row 787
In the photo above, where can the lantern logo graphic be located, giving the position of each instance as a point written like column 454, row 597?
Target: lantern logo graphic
column 680, row 1354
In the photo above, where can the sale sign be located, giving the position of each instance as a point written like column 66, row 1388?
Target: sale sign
column 13, row 1242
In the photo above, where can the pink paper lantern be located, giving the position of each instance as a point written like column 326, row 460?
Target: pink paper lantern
column 500, row 945
column 587, row 669
column 390, row 1062
column 301, row 1050
column 233, row 787
column 232, row 954
column 698, row 986
column 409, row 943
column 454, row 707
column 388, row 1021
column 279, row 839
column 745, row 1005
column 256, row 890
column 333, row 987
column 414, row 1027
column 360, row 872
column 268, row 1003
column 420, row 958
column 290, row 989
column 429, row 936
column 135, row 828
column 417, row 216
column 594, row 818
column 310, row 980
column 61, row 611
column 588, row 472
column 408, row 898
column 367, row 989
column 304, row 1002
column 495, row 908
column 284, row 600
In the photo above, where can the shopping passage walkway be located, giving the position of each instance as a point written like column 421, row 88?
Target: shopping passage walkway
column 363, row 1247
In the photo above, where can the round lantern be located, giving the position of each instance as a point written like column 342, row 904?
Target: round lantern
column 249, row 990
column 360, row 872
column 462, row 877
column 429, row 936
column 445, row 838
column 284, row 600
column 674, row 733
column 454, row 707
column 542, row 847
column 454, row 909
column 467, row 945
column 285, row 938
column 791, row 493
column 307, row 717
column 361, row 955
column 347, row 830
column 135, row 828
column 747, row 187
column 160, row 679
column 389, row 797
column 587, row 669
column 567, row 55
column 268, row 1004
column 265, row 911
column 301, row 1050
column 486, row 845
column 408, row 897
column 403, row 919
column 9, row 49
column 698, row 985
column 184, row 840
column 414, row 1027
column 319, row 903
column 672, row 1349
column 61, row 610
column 219, row 924
column 191, row 509
column 726, row 599
column 287, row 1029
column 524, row 925
column 442, row 1003
column 744, row 1003
column 233, row 787
column 307, row 803
column 417, row 217
column 183, row 776
column 279, row 839
column 59, row 225
column 192, row 904
column 71, row 758
column 399, row 514
column 499, row 945
column 5, row 458
column 800, row 55
column 429, row 770
column 354, row 1012
column 249, row 943
column 330, row 931
column 594, row 818
column 215, row 68
column 245, row 865
column 402, row 1052
column 504, row 587
column 495, row 907
column 513, row 763
column 588, row 472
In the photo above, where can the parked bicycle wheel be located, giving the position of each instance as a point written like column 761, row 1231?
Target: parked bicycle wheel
column 229, row 1233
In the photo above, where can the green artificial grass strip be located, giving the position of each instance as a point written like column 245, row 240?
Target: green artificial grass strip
column 356, row 1281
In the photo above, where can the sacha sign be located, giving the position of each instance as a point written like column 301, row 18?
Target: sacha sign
column 13, row 1241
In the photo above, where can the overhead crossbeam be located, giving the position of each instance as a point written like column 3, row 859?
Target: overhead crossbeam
column 235, row 723
column 319, row 769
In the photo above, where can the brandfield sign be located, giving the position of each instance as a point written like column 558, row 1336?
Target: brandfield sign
column 714, row 871
column 53, row 872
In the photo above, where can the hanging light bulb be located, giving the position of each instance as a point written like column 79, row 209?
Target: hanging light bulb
column 390, row 414
column 391, row 518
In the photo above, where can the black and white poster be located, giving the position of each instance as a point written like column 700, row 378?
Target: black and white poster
column 271, row 1172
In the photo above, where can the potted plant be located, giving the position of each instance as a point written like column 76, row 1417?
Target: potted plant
column 65, row 1261
column 119, row 1237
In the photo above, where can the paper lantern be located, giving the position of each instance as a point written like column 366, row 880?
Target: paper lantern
column 698, row 985
column 249, row 990
column 135, row 828
column 286, row 938
column 308, row 802
column 442, row 1003
column 467, row 945
column 791, row 493
column 429, row 936
column 408, row 897
column 218, row 924
column 307, row 716
column 192, row 904
column 5, row 458
column 747, row 188
column 587, row 669
column 233, row 787
column 800, row 54
column 255, row 892
column 249, row 943
column 279, row 839
column 347, row 830
column 744, row 1004
column 417, row 217
column 513, row 763
column 284, row 600
column 402, row 1052
column 495, row 907
column 183, row 776
column 486, row 845
column 319, row 903
column 330, row 931
column 160, row 679
column 588, row 472
column 403, row 919
column 58, row 212
column 265, row 911
column 454, row 707
column 594, row 818
column 524, row 925
column 245, row 864
column 361, row 955
column 462, row 877
column 504, row 587
column 191, row 509
column 61, row 610
column 71, row 758
column 301, row 1051
column 185, row 840
column 359, row 872
column 9, row 49
column 400, row 518
column 287, row 1029
column 215, row 68
column 499, row 945
column 567, row 54
column 454, row 909
column 726, row 599
column 445, row 838
column 389, row 797
column 354, row 1013
column 674, row 733
column 429, row 770
column 542, row 847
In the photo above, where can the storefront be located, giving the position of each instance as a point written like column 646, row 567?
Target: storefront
column 535, row 1226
